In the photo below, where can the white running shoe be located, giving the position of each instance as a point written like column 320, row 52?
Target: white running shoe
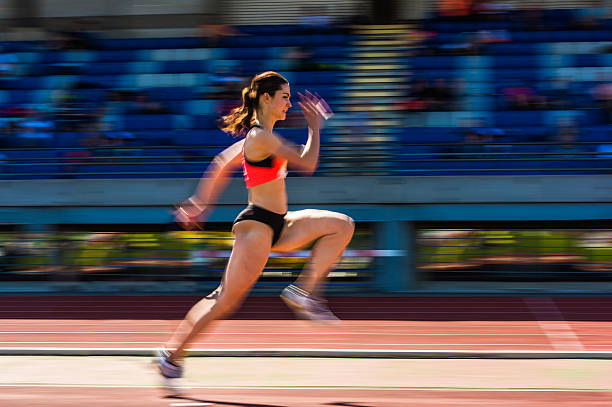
column 306, row 307
column 170, row 373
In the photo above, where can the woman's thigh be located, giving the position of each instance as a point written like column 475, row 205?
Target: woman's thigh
column 305, row 226
column 252, row 241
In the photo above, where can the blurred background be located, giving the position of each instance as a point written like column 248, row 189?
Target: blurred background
column 472, row 140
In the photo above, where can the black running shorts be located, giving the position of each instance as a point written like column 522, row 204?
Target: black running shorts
column 275, row 220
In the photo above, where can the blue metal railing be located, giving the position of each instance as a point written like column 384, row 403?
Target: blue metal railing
column 336, row 159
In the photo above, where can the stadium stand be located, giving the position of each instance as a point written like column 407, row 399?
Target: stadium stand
column 113, row 106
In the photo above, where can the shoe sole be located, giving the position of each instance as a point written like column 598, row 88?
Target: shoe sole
column 294, row 306
column 302, row 313
column 169, row 387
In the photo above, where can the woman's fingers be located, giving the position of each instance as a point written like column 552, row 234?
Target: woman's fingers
column 308, row 109
column 317, row 104
column 324, row 105
column 185, row 219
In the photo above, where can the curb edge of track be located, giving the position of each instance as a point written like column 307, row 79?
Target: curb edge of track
column 323, row 353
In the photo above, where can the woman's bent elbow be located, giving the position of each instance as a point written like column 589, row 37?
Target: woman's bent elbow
column 310, row 169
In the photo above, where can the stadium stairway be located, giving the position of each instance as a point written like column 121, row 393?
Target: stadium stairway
column 373, row 83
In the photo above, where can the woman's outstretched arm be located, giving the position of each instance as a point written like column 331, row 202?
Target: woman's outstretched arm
column 214, row 181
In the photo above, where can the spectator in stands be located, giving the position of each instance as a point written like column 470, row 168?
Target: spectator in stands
column 454, row 9
column 441, row 96
column 522, row 97
column 265, row 225
column 414, row 100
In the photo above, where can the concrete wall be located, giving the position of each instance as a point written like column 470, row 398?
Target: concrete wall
column 395, row 204
column 72, row 8
column 367, row 190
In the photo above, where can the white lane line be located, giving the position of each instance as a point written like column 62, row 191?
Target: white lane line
column 559, row 332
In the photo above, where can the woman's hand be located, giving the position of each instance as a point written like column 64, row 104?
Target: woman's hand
column 188, row 214
column 315, row 109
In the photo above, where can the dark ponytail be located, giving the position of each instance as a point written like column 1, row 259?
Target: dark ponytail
column 240, row 119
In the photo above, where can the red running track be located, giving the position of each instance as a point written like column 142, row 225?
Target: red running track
column 137, row 397
column 369, row 323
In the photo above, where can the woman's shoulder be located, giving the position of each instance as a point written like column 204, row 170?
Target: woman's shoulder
column 259, row 133
column 261, row 138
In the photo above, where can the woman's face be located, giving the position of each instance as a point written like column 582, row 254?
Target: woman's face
column 280, row 103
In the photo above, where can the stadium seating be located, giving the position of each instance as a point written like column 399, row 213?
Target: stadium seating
column 181, row 74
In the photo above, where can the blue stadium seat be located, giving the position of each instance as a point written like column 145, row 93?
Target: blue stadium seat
column 518, row 118
column 171, row 93
column 150, row 43
column 116, row 55
column 515, row 61
column 26, row 82
column 150, row 121
column 511, row 49
column 182, row 67
column 430, row 135
column 106, row 68
column 589, row 60
column 436, row 62
column 205, row 121
column 201, row 137
column 523, row 74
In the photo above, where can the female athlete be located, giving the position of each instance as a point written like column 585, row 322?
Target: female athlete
column 264, row 225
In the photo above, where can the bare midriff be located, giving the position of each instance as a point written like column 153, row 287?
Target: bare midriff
column 271, row 195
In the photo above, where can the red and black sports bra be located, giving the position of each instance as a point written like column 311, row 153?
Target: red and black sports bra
column 262, row 171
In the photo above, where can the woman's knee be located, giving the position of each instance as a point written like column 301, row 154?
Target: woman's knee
column 345, row 225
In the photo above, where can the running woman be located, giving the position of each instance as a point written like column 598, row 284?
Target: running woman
column 264, row 225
